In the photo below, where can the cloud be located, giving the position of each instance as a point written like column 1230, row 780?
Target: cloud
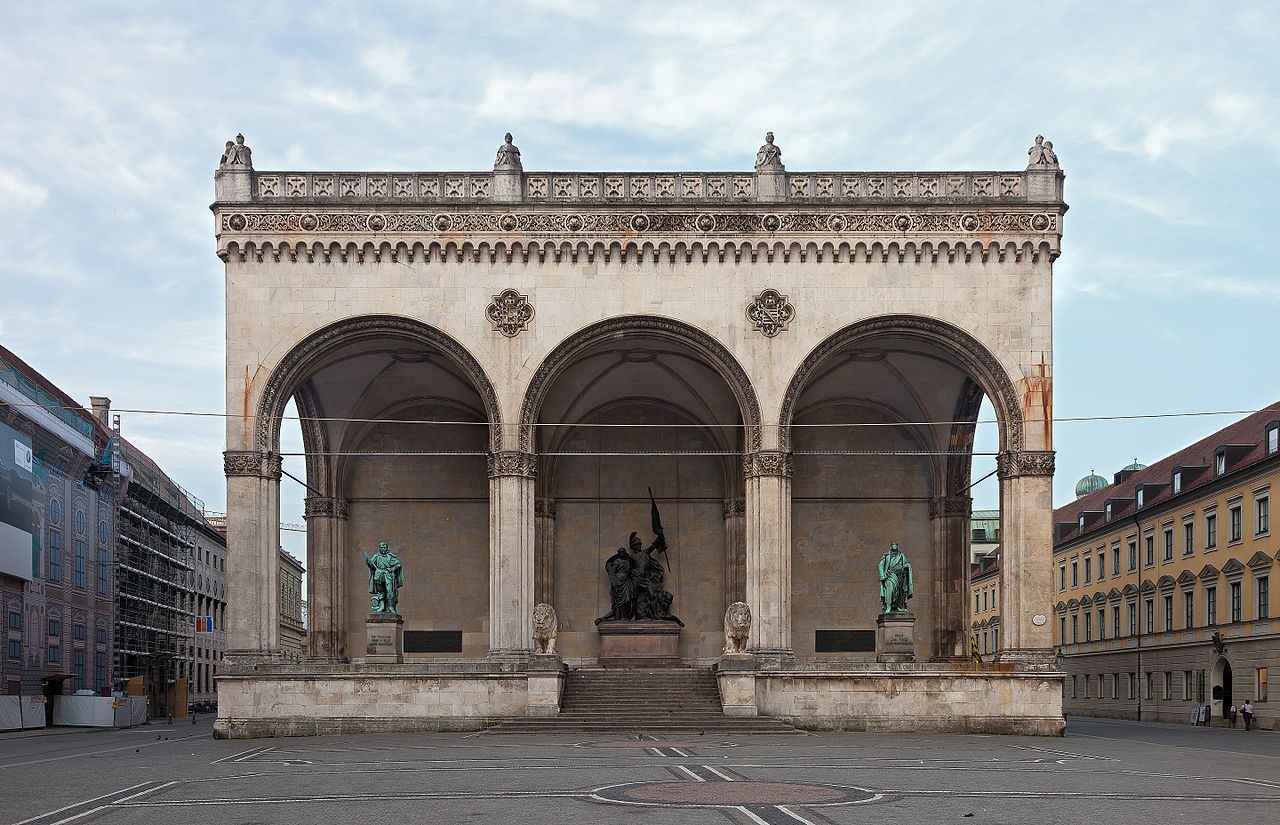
column 17, row 191
column 389, row 63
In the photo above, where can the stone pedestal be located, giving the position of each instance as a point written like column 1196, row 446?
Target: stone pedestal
column 736, row 675
column 385, row 635
column 896, row 637
column 546, row 684
column 639, row 644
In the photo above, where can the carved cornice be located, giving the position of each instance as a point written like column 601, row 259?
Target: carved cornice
column 325, row 507
column 513, row 463
column 766, row 463
column 1024, row 463
column 251, row 463
column 735, row 508
column 544, row 507
column 945, row 506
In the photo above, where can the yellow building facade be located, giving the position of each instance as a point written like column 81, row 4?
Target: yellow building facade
column 1162, row 582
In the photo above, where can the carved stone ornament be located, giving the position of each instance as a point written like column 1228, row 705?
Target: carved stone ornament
column 770, row 312
column 1025, row 463
column 251, row 463
column 737, row 627
column 513, row 463
column 545, row 629
column 734, row 508
column 510, row 312
column 236, row 156
column 544, row 507
column 769, row 157
column 766, row 463
column 508, row 158
column 325, row 507
column 950, row 506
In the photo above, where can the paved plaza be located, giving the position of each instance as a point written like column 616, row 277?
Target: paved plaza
column 1101, row 772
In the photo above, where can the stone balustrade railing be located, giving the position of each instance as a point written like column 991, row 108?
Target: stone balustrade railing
column 656, row 187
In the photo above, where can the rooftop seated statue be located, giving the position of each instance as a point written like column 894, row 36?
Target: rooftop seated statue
column 386, row 577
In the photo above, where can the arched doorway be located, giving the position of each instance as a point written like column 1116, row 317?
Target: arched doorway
column 1221, row 695
column 881, row 419
column 396, row 422
column 623, row 406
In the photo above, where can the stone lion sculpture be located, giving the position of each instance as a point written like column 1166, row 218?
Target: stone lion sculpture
column 737, row 627
column 545, row 628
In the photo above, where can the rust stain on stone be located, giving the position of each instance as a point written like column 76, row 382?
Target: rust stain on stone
column 1036, row 392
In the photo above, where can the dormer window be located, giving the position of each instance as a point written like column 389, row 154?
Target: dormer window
column 1177, row 482
column 1142, row 496
column 1273, row 439
column 1108, row 511
column 1220, row 462
column 1081, row 522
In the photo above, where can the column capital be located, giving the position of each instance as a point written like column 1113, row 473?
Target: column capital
column 251, row 463
column 1011, row 464
column 513, row 463
column 325, row 507
column 544, row 507
column 766, row 463
column 945, row 506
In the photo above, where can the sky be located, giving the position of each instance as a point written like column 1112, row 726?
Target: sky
column 1165, row 116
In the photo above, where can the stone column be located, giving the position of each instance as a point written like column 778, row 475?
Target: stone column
column 735, row 551
column 544, row 551
column 950, row 516
column 768, row 576
column 1026, row 556
column 253, row 544
column 326, row 543
column 511, row 492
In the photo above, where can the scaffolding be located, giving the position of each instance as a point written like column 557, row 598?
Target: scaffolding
column 155, row 578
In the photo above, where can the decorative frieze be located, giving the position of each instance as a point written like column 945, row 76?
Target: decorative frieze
column 251, row 463
column 513, row 463
column 945, row 506
column 510, row 312
column 766, row 463
column 770, row 312
column 1024, row 463
column 325, row 507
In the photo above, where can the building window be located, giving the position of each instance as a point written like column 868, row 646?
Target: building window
column 1188, row 683
column 1264, row 598
column 1088, row 569
column 1151, row 615
column 1235, row 601
column 100, row 670
column 1150, row 543
column 1133, row 619
column 1133, row 555
column 1210, row 531
column 985, row 600
column 100, row 635
column 1141, row 498
column 1115, row 559
column 1102, row 565
column 1211, row 606
column 1188, row 538
column 1273, row 439
column 1108, row 511
column 1075, row 629
column 55, row 654
column 1220, row 463
column 1115, row 621
column 80, row 563
column 1235, row 521
column 1080, row 523
column 1177, row 482
column 995, row 638
column 79, row 522
column 1062, row 629
column 1088, row 626
column 1168, row 612
column 1102, row 623
column 77, row 668
column 1168, row 685
column 55, row 555
column 15, row 649
column 55, row 627
column 1062, row 577
column 1262, row 507
column 15, row 620
column 104, row 569
column 55, row 511
column 975, row 603
column 1262, row 682
column 1189, row 609
column 1075, row 573
column 1168, row 544
column 77, row 632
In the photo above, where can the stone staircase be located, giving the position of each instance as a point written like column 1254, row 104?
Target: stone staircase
column 629, row 700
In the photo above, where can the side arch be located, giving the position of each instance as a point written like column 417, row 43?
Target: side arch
column 288, row 375
column 981, row 365
column 567, row 351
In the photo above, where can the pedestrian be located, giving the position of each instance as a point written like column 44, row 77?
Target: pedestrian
column 1246, row 710
column 1231, row 715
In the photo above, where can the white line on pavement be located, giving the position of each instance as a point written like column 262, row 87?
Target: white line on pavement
column 81, row 802
column 689, row 772
column 92, row 753
column 723, row 776
column 793, row 814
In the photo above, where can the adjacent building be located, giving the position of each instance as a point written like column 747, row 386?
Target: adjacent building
column 1162, row 581
column 58, row 528
column 210, row 595
column 293, row 632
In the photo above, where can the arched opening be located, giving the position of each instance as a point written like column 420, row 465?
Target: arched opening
column 624, row 406
column 396, row 423
column 881, row 419
column 1221, row 690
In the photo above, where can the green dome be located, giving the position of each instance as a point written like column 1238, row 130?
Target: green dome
column 1135, row 466
column 1091, row 483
